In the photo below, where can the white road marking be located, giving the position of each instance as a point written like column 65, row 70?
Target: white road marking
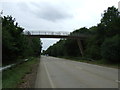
column 51, row 82
column 117, row 81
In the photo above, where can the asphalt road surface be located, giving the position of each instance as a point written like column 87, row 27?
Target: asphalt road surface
column 61, row 73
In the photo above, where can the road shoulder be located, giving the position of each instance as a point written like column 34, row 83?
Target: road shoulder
column 28, row 81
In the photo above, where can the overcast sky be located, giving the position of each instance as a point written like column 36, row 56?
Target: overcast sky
column 56, row 15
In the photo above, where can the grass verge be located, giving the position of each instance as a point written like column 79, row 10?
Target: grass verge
column 13, row 76
column 96, row 62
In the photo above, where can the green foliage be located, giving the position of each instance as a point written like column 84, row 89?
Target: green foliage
column 111, row 49
column 99, row 45
column 111, row 21
column 72, row 48
column 92, row 49
column 57, row 49
column 15, row 44
column 110, row 15
column 109, row 26
column 12, row 77
column 82, row 30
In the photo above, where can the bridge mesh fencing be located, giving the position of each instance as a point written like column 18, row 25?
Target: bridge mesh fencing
column 45, row 33
column 53, row 33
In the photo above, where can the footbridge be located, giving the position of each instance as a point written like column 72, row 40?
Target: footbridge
column 61, row 34
column 53, row 34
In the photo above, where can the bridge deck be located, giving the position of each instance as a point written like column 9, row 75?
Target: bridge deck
column 42, row 34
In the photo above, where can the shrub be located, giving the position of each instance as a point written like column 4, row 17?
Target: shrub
column 110, row 49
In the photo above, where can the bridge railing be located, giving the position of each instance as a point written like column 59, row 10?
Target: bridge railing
column 45, row 33
column 55, row 33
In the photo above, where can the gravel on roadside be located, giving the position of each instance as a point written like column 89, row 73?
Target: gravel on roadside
column 28, row 81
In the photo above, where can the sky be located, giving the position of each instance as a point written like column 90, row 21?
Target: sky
column 56, row 15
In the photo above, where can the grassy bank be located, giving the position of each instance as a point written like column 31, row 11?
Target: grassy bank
column 13, row 76
column 90, row 61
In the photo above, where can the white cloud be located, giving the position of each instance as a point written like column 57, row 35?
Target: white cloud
column 56, row 15
column 48, row 42
column 119, row 6
column 51, row 12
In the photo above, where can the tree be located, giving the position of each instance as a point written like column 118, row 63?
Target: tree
column 102, row 43
column 15, row 45
column 111, row 21
column 11, row 39
column 110, row 49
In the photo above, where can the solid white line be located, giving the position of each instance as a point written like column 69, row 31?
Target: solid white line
column 51, row 82
column 117, row 81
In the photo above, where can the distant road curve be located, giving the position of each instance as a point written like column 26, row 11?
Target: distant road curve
column 61, row 73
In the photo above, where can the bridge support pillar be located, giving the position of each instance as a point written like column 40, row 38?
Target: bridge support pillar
column 80, row 46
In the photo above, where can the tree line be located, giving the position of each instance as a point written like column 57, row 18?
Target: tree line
column 103, row 44
column 15, row 45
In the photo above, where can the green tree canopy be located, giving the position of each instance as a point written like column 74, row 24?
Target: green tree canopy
column 15, row 44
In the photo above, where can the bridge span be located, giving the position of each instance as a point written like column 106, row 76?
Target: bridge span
column 53, row 34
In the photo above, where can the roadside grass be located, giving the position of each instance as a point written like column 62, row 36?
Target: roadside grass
column 90, row 61
column 13, row 76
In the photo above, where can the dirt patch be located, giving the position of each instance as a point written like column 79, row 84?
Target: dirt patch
column 28, row 81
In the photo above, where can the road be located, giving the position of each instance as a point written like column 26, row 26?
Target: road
column 61, row 73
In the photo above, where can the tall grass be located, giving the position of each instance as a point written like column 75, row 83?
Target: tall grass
column 13, row 76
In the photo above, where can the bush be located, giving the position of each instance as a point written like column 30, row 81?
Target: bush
column 110, row 49
column 92, row 49
column 93, row 52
